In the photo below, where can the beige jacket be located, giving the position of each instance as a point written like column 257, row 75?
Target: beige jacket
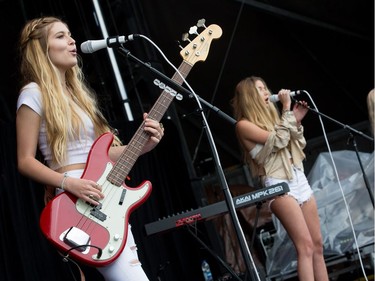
column 285, row 141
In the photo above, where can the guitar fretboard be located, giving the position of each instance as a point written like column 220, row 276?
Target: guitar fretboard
column 134, row 148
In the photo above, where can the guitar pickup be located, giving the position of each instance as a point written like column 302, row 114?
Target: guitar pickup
column 95, row 212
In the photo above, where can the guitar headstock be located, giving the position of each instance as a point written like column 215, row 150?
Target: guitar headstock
column 197, row 50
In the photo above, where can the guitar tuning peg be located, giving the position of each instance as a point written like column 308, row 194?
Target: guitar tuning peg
column 201, row 23
column 185, row 37
column 179, row 44
column 193, row 30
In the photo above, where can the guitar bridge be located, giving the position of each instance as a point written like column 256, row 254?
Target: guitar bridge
column 76, row 237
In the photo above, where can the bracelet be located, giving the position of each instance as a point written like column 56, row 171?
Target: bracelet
column 63, row 181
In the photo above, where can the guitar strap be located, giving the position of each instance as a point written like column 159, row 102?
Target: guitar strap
column 49, row 193
column 66, row 259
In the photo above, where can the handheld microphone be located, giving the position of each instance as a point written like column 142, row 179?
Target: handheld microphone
column 275, row 98
column 92, row 46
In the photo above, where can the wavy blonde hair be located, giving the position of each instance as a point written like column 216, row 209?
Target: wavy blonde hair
column 248, row 104
column 62, row 119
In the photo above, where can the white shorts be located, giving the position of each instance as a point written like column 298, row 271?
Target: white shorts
column 299, row 186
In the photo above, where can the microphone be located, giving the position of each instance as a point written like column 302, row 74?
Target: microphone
column 275, row 98
column 92, row 46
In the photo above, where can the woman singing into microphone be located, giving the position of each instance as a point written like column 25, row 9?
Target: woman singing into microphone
column 58, row 115
column 273, row 145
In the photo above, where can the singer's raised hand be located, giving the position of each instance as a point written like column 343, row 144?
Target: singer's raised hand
column 300, row 109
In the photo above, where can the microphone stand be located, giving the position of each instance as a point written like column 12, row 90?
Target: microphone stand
column 352, row 132
column 228, row 197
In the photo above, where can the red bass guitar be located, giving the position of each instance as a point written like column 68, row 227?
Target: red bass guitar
column 96, row 236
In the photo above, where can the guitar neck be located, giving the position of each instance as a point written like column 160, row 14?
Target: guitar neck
column 135, row 146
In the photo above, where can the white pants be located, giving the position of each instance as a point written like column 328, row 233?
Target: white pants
column 127, row 266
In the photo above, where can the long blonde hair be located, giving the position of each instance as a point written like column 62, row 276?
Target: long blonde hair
column 62, row 120
column 248, row 104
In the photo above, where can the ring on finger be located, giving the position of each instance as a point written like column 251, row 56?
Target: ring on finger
column 91, row 196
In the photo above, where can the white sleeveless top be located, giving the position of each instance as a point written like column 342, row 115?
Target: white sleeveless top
column 255, row 150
